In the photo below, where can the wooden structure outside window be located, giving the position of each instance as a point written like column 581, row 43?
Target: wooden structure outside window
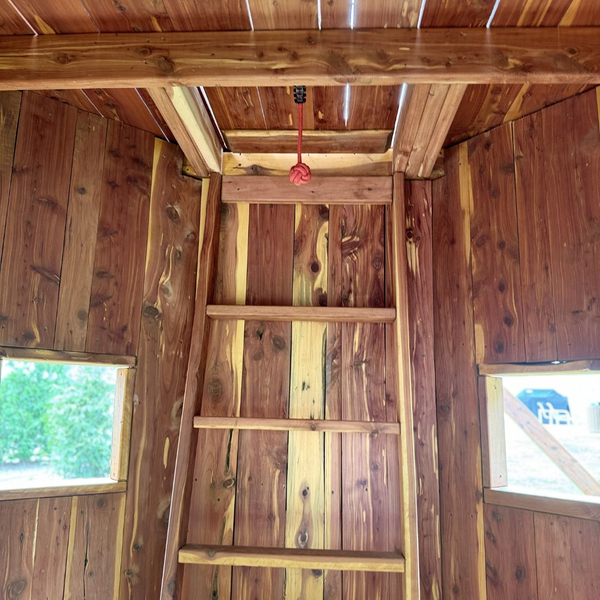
column 495, row 402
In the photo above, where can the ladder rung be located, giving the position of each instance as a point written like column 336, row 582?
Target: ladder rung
column 369, row 427
column 302, row 313
column 335, row 560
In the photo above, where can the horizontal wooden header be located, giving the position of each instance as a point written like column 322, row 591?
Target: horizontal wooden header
column 336, row 560
column 581, row 507
column 64, row 356
column 329, row 57
column 318, row 314
column 321, row 190
column 576, row 367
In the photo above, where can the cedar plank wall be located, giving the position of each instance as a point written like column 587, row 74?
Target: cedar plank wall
column 99, row 232
column 516, row 230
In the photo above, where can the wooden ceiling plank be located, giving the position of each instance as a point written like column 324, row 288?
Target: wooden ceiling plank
column 408, row 124
column 387, row 13
column 329, row 108
column 127, row 15
column 281, row 112
column 191, row 15
column 11, row 22
column 282, row 141
column 466, row 13
column 284, row 14
column 530, row 13
column 482, row 108
column 332, row 57
column 335, row 14
column 66, row 16
column 581, row 13
column 237, row 108
column 188, row 119
column 373, row 107
column 77, row 98
column 124, row 105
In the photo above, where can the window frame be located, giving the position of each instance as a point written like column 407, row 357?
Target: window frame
column 496, row 489
column 122, row 422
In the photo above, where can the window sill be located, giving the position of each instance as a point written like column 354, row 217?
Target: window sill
column 581, row 507
column 68, row 488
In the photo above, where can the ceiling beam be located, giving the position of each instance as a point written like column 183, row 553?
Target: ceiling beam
column 186, row 115
column 423, row 124
column 329, row 57
column 319, row 140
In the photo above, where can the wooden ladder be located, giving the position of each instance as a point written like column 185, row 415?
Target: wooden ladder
column 178, row 551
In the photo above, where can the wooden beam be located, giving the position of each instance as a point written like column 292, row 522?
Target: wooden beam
column 338, row 560
column 553, row 449
column 329, row 57
column 122, row 415
column 210, row 219
column 318, row 425
column 493, row 438
column 185, row 113
column 320, row 141
column 576, row 367
column 65, row 356
column 321, row 165
column 320, row 190
column 406, row 448
column 81, row 487
column 425, row 118
column 568, row 505
column 320, row 314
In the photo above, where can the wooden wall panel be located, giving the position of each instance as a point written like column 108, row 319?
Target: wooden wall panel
column 166, row 317
column 95, row 542
column 499, row 333
column 571, row 139
column 115, row 304
column 418, row 198
column 18, row 520
column 539, row 319
column 10, row 104
column 81, row 232
column 215, row 474
column 510, row 554
column 35, row 226
column 262, row 455
column 52, row 545
column 461, row 508
column 305, row 508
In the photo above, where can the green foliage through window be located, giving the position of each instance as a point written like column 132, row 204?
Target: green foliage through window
column 57, row 415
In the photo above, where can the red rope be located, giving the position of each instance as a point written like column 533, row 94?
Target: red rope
column 300, row 173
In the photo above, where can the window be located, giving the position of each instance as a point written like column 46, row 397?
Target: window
column 62, row 423
column 541, row 427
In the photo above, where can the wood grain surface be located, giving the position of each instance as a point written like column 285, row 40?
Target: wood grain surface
column 328, row 57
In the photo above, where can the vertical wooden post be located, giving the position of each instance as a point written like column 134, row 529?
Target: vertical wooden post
column 405, row 396
column 210, row 217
